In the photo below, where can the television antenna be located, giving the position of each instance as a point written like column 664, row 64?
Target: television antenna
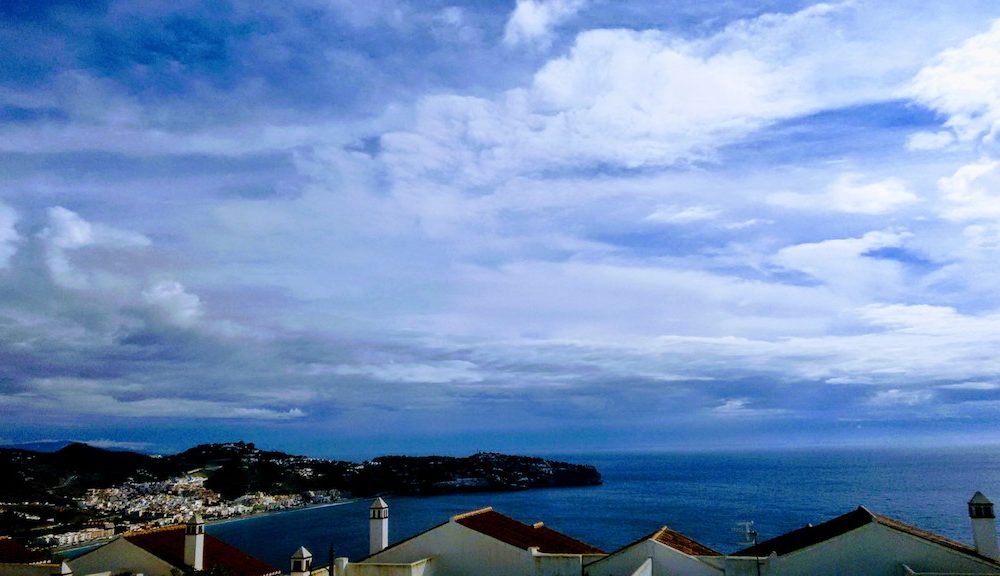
column 747, row 532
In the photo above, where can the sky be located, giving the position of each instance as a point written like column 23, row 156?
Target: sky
column 341, row 228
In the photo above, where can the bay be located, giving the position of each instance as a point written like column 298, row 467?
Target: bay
column 703, row 495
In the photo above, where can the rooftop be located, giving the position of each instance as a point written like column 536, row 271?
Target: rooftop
column 682, row 543
column 168, row 544
column 506, row 529
column 810, row 535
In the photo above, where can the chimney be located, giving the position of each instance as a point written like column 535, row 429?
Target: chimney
column 984, row 526
column 194, row 542
column 340, row 567
column 301, row 562
column 378, row 526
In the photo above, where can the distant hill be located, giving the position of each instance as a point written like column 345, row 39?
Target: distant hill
column 236, row 468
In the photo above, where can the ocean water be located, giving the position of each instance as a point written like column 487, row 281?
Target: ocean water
column 702, row 495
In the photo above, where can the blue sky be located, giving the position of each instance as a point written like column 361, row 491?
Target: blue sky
column 538, row 225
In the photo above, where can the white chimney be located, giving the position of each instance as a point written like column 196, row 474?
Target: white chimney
column 194, row 542
column 301, row 562
column 340, row 567
column 378, row 526
column 984, row 526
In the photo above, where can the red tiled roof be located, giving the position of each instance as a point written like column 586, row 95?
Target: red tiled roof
column 682, row 543
column 809, row 535
column 168, row 545
column 13, row 552
column 506, row 529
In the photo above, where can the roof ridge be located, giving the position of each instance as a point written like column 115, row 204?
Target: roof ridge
column 895, row 524
column 483, row 510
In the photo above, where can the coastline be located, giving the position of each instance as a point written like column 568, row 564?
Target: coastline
column 280, row 511
column 73, row 551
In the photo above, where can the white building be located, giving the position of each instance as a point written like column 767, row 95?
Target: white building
column 665, row 551
column 164, row 551
column 858, row 543
column 862, row 542
column 478, row 542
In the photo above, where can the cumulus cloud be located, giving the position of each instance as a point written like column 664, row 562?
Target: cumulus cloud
column 177, row 305
column 849, row 194
column 972, row 192
column 964, row 84
column 843, row 263
column 532, row 21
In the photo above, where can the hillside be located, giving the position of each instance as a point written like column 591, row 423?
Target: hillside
column 237, row 468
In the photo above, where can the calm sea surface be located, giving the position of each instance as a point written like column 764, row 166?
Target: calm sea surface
column 701, row 495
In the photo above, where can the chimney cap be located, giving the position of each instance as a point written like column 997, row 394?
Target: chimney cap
column 979, row 498
column 196, row 519
column 301, row 554
column 378, row 503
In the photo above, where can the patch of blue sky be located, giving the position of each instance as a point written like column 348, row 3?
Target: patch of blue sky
column 909, row 258
column 865, row 133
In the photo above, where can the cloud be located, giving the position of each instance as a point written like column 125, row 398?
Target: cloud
column 898, row 397
column 843, row 263
column 969, row 192
column 682, row 215
column 850, row 195
column 177, row 306
column 9, row 238
column 67, row 233
column 532, row 21
column 964, row 84
column 740, row 408
column 90, row 397
column 437, row 373
column 929, row 140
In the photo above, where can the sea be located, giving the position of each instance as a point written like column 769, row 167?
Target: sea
column 707, row 496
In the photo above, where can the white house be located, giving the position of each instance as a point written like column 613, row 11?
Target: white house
column 862, row 542
column 161, row 551
column 479, row 542
column 663, row 552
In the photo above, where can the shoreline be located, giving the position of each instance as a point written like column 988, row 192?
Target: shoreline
column 279, row 511
column 62, row 551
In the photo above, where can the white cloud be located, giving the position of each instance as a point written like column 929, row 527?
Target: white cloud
column 433, row 373
column 173, row 302
column 964, row 84
column 981, row 386
column 899, row 397
column 850, row 195
column 972, row 192
column 100, row 397
column 682, row 214
column 842, row 263
column 929, row 140
column 741, row 408
column 532, row 21
column 9, row 238
column 68, row 232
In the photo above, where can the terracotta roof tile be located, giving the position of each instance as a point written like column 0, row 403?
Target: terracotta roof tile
column 682, row 543
column 168, row 545
column 506, row 529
